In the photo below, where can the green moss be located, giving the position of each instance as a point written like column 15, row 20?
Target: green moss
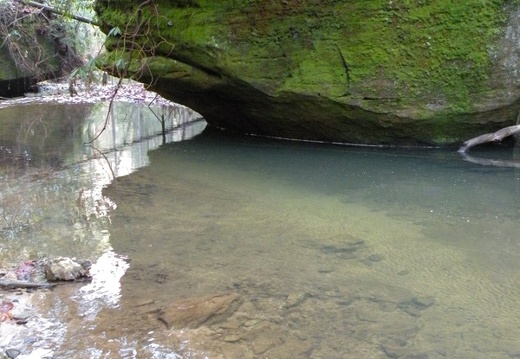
column 428, row 49
column 417, row 50
column 420, row 50
column 7, row 68
column 29, row 50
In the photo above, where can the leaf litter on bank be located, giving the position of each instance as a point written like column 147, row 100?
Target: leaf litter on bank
column 51, row 92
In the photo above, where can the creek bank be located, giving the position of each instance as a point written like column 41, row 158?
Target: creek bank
column 44, row 273
column 57, row 92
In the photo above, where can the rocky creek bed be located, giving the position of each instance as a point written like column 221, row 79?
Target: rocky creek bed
column 248, row 319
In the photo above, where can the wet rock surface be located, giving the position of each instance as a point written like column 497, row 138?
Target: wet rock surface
column 19, row 284
column 258, row 321
column 66, row 269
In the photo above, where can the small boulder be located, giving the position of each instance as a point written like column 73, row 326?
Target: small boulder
column 65, row 269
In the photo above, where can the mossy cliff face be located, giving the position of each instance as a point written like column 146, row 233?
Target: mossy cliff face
column 33, row 47
column 380, row 72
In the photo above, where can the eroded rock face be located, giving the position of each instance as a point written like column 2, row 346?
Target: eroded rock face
column 379, row 72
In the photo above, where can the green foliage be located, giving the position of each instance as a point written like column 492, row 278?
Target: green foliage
column 85, row 71
column 24, row 44
column 80, row 36
column 39, row 42
column 115, row 31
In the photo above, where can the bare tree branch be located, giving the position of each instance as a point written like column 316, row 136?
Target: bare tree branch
column 59, row 12
column 490, row 137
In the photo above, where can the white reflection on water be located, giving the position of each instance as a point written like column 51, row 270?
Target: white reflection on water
column 105, row 288
column 37, row 354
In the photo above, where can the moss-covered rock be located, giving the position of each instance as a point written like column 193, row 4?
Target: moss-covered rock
column 33, row 47
column 380, row 72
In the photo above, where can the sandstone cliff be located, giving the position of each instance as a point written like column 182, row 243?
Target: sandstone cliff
column 402, row 72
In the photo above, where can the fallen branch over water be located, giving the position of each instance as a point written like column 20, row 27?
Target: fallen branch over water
column 490, row 137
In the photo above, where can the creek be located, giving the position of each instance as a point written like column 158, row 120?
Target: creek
column 334, row 251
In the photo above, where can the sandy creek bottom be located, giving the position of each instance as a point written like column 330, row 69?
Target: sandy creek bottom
column 333, row 252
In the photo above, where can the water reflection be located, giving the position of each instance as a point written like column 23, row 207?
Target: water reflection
column 52, row 174
column 105, row 289
column 495, row 162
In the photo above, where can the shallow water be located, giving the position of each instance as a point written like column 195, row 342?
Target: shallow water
column 334, row 252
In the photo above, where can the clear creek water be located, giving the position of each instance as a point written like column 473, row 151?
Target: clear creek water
column 333, row 252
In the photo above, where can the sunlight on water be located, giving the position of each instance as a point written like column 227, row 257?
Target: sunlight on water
column 105, row 285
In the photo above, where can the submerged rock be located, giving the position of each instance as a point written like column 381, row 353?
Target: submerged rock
column 373, row 72
column 12, row 353
column 194, row 312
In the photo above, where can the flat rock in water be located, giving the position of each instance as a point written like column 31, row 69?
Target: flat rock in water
column 193, row 312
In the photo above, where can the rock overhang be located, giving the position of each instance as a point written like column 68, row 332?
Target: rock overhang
column 349, row 71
